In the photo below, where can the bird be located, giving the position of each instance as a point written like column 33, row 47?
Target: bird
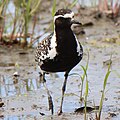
column 59, row 52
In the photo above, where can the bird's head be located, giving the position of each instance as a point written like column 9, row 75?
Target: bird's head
column 64, row 18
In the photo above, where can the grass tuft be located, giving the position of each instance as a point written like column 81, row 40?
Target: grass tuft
column 103, row 91
column 83, row 77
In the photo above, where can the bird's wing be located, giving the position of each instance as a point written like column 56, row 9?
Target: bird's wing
column 43, row 48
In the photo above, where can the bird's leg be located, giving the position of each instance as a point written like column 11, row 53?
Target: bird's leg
column 63, row 92
column 42, row 77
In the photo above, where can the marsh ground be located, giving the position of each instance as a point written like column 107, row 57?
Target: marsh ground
column 26, row 98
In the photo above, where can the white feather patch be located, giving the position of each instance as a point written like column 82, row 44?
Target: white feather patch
column 78, row 47
column 52, row 52
column 68, row 15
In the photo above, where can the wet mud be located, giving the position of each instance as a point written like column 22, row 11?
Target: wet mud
column 22, row 95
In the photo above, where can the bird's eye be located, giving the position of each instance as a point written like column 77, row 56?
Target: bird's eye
column 73, row 16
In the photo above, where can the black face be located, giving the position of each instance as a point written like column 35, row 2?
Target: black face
column 63, row 22
column 64, row 18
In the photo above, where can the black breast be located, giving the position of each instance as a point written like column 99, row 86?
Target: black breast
column 67, row 55
column 66, row 43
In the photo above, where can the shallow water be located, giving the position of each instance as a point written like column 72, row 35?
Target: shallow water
column 25, row 97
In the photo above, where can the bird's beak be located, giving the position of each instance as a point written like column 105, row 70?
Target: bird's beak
column 75, row 22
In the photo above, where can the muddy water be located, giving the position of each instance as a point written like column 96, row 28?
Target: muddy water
column 25, row 98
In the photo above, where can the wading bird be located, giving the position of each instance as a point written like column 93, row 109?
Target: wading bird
column 60, row 51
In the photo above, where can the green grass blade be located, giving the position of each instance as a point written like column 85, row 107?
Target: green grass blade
column 36, row 7
column 85, row 100
column 103, row 92
column 83, row 76
column 73, row 3
column 84, row 69
column 106, row 78
column 86, row 91
column 54, row 8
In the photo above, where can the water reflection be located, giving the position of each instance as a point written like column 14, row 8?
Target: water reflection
column 14, row 85
column 22, row 117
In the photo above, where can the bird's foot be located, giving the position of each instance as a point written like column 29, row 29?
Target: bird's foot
column 59, row 112
column 50, row 104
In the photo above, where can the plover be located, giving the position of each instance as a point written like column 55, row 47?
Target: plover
column 60, row 51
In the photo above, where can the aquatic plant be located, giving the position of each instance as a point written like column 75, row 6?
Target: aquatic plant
column 86, row 86
column 3, row 5
column 53, row 12
column 73, row 4
column 83, row 78
column 103, row 91
column 28, row 10
column 86, row 90
column 19, row 22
